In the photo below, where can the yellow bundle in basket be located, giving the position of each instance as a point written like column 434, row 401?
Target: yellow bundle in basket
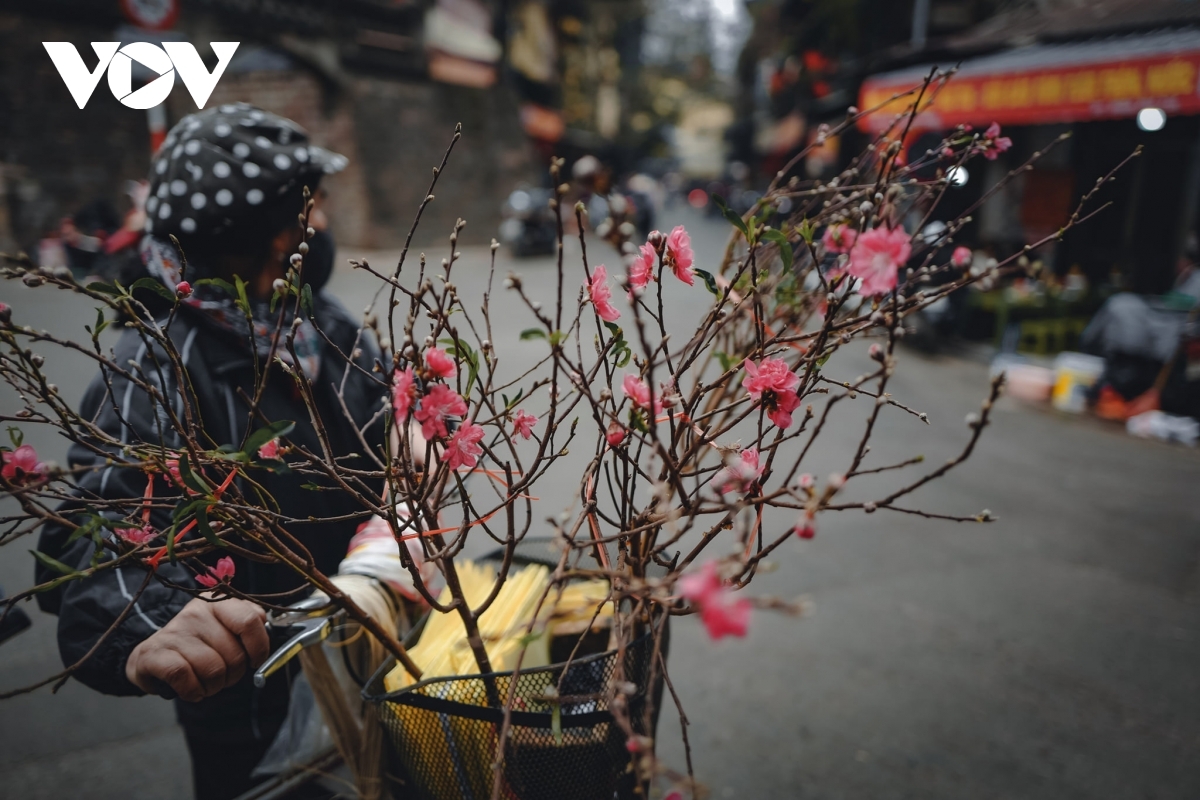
column 443, row 650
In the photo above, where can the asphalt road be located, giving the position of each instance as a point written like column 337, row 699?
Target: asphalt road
column 1053, row 654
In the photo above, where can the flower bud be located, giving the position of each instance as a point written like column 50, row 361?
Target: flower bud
column 303, row 248
column 183, row 289
column 296, row 259
column 280, row 285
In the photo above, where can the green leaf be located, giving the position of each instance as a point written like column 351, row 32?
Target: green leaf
column 306, row 301
column 104, row 288
column 636, row 421
column 821, row 361
column 171, row 542
column 532, row 333
column 53, row 563
column 190, row 479
column 731, row 215
column 557, row 338
column 509, row 404
column 617, row 332
column 263, row 435
column 243, row 300
column 806, row 230
column 460, row 349
column 153, row 285
column 623, row 356
column 184, row 510
column 16, row 436
column 709, row 281
column 785, row 247
column 220, row 283
column 206, row 529
column 726, row 361
column 92, row 523
column 101, row 322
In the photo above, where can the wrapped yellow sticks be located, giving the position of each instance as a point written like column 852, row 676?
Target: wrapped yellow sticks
column 443, row 650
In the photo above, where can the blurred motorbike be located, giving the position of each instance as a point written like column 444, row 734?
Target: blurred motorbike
column 529, row 227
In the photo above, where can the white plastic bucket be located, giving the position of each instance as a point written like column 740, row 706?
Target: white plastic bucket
column 1074, row 375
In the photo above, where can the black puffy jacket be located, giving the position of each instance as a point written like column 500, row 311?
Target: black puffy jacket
column 217, row 366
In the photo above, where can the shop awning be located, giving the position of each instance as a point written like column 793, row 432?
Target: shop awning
column 1110, row 78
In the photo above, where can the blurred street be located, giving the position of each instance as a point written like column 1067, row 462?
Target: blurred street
column 1051, row 654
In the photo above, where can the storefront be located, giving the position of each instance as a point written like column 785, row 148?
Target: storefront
column 1111, row 94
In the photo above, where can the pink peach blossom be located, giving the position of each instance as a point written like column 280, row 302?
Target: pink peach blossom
column 805, row 528
column 739, row 475
column 721, row 613
column 639, row 394
column 601, row 295
column 994, row 143
column 780, row 412
column 441, row 402
column 404, row 393
column 269, row 450
column 440, row 364
column 21, row 465
column 680, row 255
column 839, row 238
column 614, row 435
column 877, row 257
column 773, row 386
column 222, row 573
column 463, row 449
column 137, row 535
column 641, row 271
column 771, row 375
column 523, row 424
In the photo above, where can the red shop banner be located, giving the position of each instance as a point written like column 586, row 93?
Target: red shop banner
column 1079, row 92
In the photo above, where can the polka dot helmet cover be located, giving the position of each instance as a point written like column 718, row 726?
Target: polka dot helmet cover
column 217, row 169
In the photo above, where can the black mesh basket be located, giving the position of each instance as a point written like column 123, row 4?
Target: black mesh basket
column 442, row 733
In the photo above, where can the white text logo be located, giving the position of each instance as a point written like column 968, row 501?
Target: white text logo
column 162, row 61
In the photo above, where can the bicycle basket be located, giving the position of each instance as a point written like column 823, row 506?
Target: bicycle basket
column 442, row 732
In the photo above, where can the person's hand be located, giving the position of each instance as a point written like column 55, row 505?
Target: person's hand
column 204, row 649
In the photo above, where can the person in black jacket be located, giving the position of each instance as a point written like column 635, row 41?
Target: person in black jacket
column 228, row 184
